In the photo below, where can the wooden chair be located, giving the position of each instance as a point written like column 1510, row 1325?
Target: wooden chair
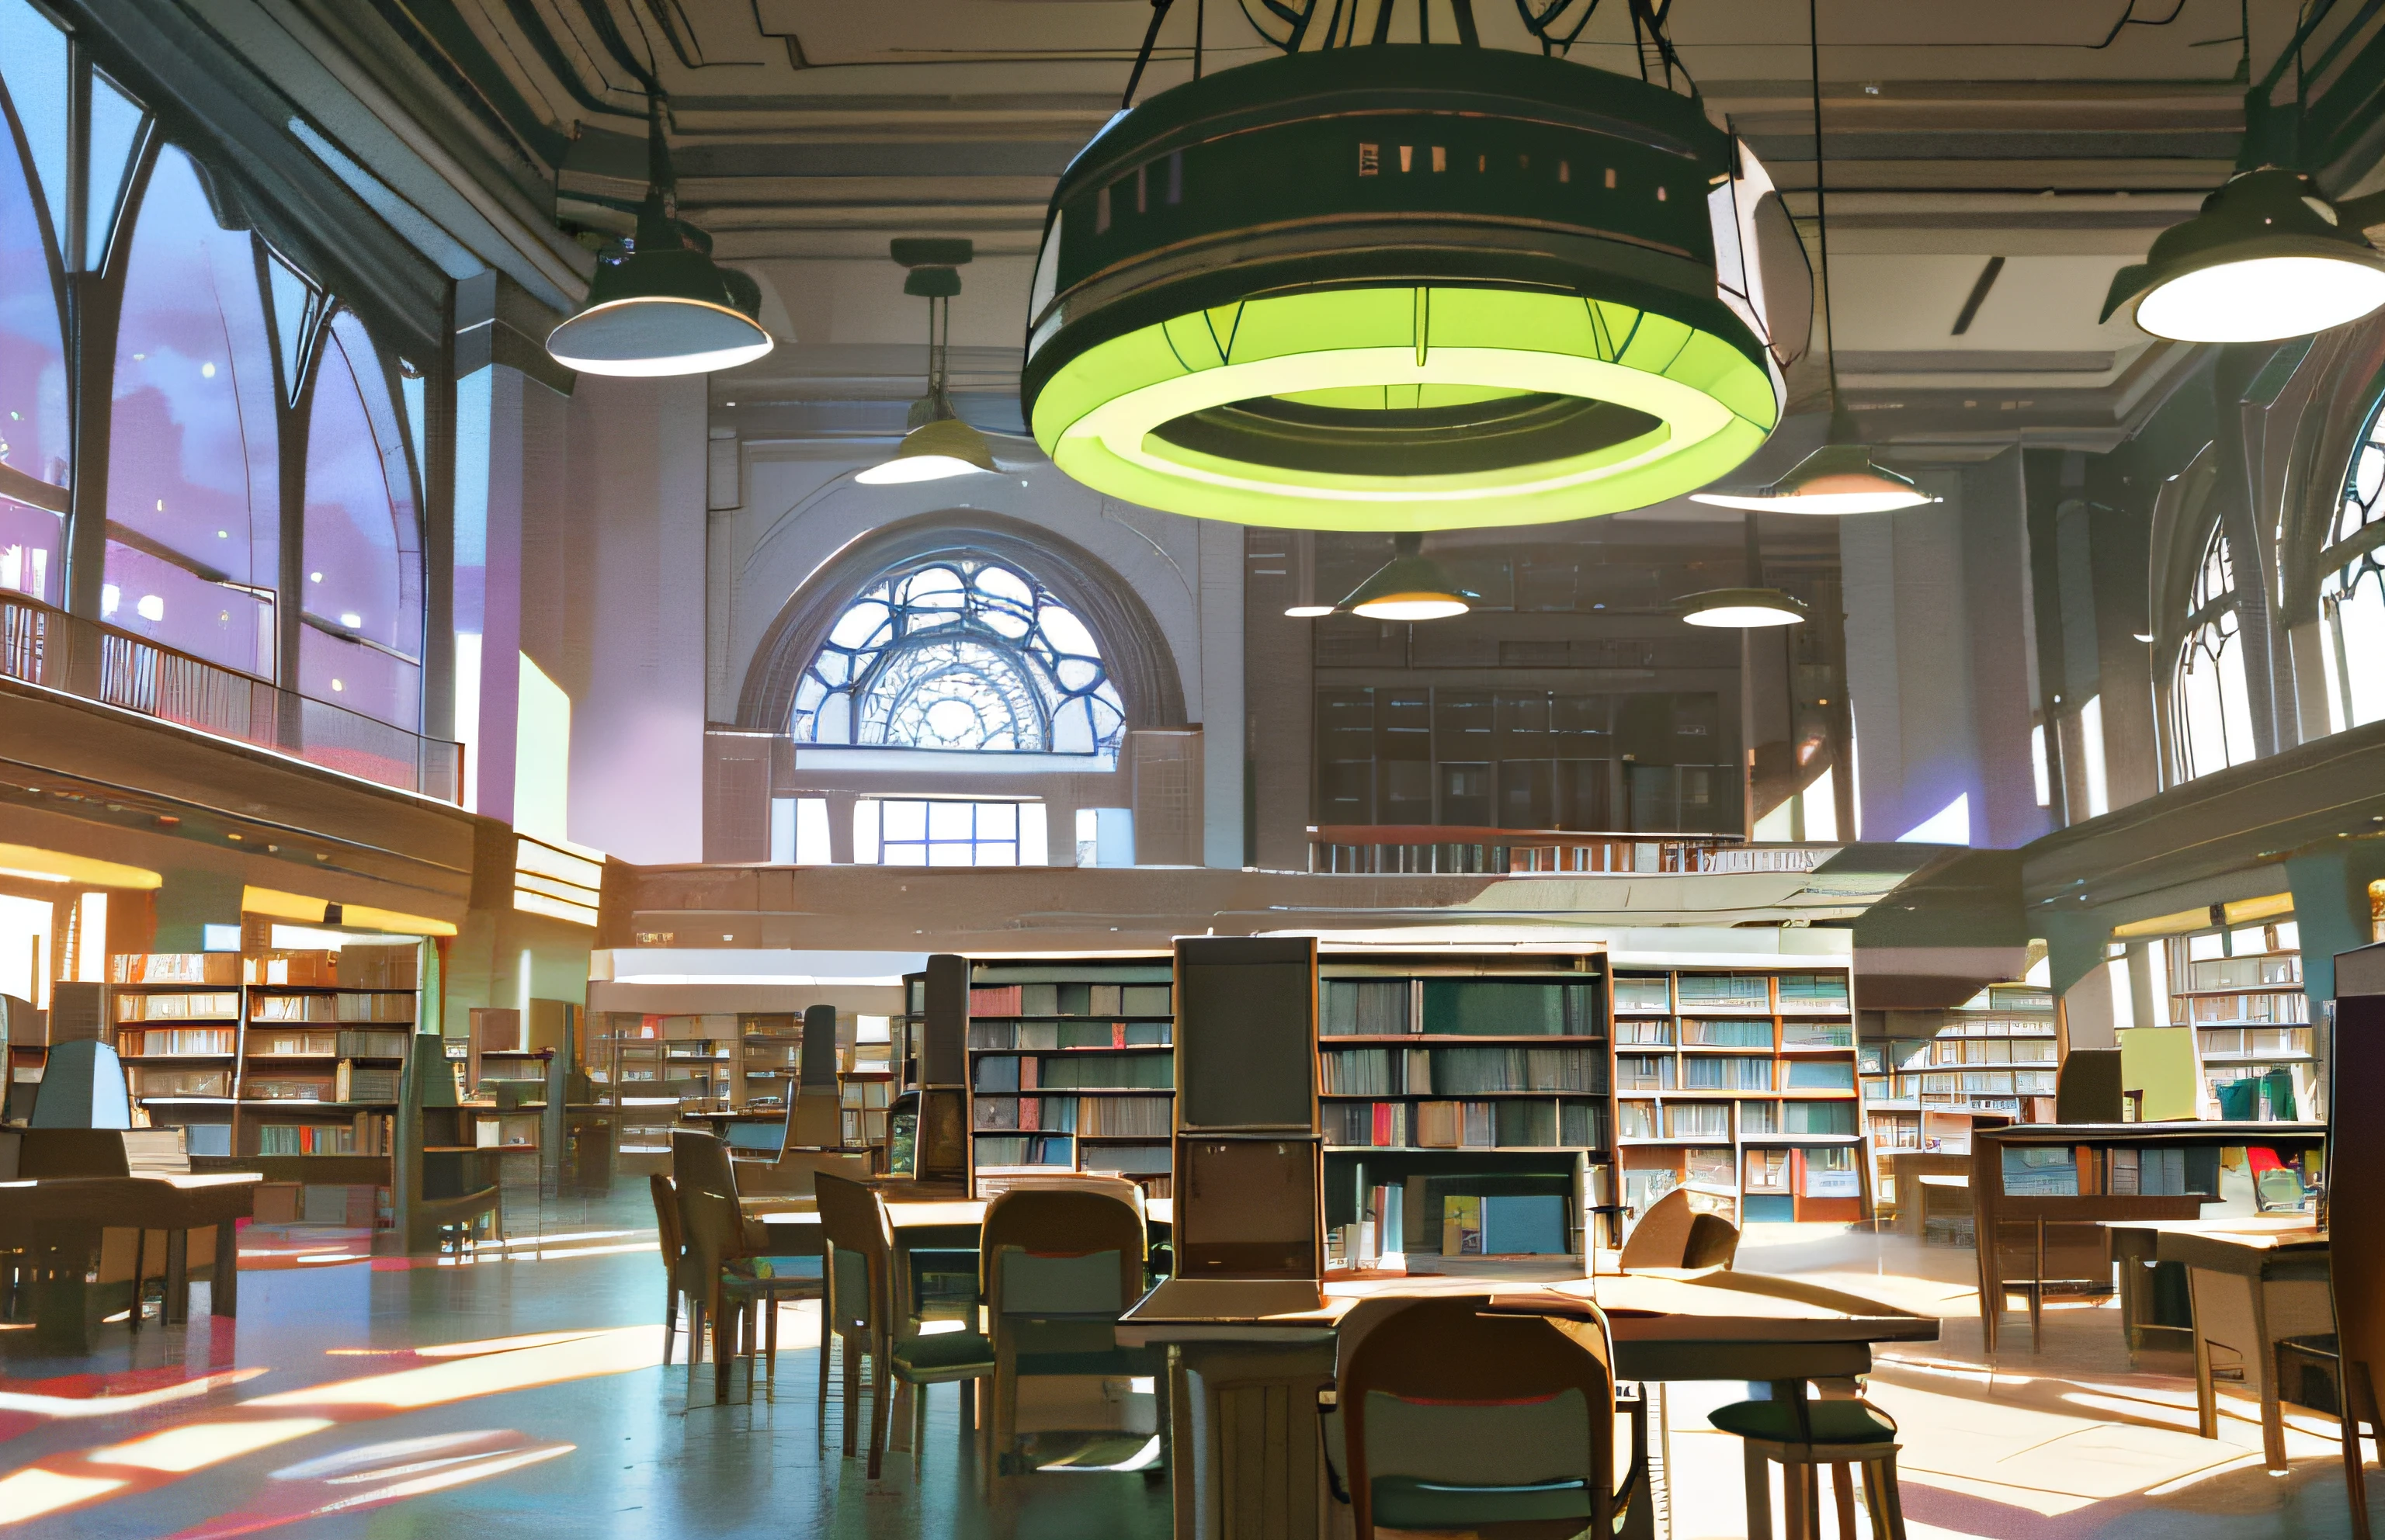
column 1714, row 1242
column 1456, row 1417
column 1059, row 1264
column 1802, row 1436
column 869, row 1311
column 1662, row 1236
column 728, row 1277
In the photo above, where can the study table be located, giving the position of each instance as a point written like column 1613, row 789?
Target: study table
column 1242, row 1392
column 2254, row 1281
column 61, row 1218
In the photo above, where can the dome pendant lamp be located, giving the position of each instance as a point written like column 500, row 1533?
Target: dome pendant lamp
column 938, row 444
column 660, row 306
column 1411, row 586
column 1839, row 477
column 1403, row 287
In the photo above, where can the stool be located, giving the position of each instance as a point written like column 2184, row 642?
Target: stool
column 1801, row 1436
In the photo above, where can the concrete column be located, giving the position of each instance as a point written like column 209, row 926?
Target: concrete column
column 1220, row 710
column 2331, row 910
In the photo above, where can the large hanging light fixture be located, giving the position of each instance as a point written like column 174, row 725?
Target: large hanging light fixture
column 1840, row 477
column 658, row 305
column 938, row 444
column 1411, row 586
column 1405, row 286
column 2268, row 258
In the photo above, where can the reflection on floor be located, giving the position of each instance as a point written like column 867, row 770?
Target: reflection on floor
column 416, row 1397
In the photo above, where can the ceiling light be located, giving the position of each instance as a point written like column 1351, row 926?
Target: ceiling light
column 659, row 306
column 1839, row 477
column 939, row 443
column 2268, row 258
column 1415, row 287
column 1411, row 586
column 1308, row 612
column 1742, row 609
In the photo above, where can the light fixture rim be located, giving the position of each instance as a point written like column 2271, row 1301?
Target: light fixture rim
column 762, row 349
column 1792, row 610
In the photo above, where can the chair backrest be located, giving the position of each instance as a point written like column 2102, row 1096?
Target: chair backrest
column 1077, row 1249
column 1714, row 1242
column 1662, row 1234
column 861, row 1251
column 700, row 1161
column 667, row 1226
column 711, row 1226
column 2086, row 1087
column 72, row 1153
column 1441, row 1392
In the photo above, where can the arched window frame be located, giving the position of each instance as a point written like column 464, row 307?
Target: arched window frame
column 2211, row 724
column 2352, row 586
column 949, row 615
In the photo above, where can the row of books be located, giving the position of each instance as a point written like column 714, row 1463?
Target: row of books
column 1133, row 1071
column 1741, row 1031
column 1711, row 1120
column 144, row 1083
column 1463, row 1071
column 163, row 1041
column 347, row 1083
column 1027, row 1149
column 306, row 1138
column 383, row 967
column 1645, row 1072
column 1467, row 1007
column 1465, row 1124
column 1105, row 1116
column 330, row 1007
column 1066, row 1035
column 179, row 1008
column 1070, row 1000
column 349, row 1043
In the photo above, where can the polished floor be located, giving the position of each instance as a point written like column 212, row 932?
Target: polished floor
column 397, row 1398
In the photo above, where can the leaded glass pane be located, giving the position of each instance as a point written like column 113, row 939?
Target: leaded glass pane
column 959, row 654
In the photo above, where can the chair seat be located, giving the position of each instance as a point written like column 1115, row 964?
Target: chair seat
column 1827, row 1423
column 1408, row 1502
column 955, row 1355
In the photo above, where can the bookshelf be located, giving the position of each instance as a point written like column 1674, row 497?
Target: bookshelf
column 1927, row 1075
column 1071, row 1067
column 287, row 1053
column 655, row 1069
column 865, row 1079
column 1454, row 1077
column 2241, row 991
column 1740, row 1084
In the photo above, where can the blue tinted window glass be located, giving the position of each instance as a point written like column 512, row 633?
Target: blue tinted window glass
column 33, row 347
column 364, row 566
column 114, row 129
column 193, row 475
column 33, row 66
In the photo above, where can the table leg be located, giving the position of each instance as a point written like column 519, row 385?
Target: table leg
column 175, row 1309
column 2206, row 1399
column 140, row 1266
column 1991, row 1283
column 223, row 1281
column 1184, row 1470
column 2037, row 1294
column 1759, row 1492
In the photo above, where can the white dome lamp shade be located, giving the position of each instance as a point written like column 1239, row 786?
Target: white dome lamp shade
column 657, row 305
column 1742, row 609
column 938, row 444
column 2268, row 258
column 1411, row 586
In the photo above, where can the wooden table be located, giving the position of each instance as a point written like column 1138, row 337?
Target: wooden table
column 63, row 1217
column 2093, row 1204
column 2252, row 1281
column 1242, row 1393
column 1908, row 1169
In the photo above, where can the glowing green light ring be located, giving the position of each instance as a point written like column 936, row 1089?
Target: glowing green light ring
column 1095, row 416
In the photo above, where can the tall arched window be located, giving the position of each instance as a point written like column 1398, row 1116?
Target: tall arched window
column 362, row 601
column 959, row 653
column 193, row 472
column 2212, row 713
column 34, row 446
column 2352, row 595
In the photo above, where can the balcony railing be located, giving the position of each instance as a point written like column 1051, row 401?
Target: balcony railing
column 45, row 646
column 1433, row 847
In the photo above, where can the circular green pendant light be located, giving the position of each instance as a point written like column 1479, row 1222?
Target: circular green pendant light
column 1401, row 288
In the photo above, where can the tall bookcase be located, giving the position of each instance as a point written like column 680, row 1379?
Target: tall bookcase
column 655, row 1068
column 1925, row 1074
column 2241, row 991
column 1071, row 1067
column 1738, row 1083
column 288, row 1053
column 1473, row 1085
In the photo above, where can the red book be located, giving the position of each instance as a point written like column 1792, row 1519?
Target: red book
column 1031, row 1113
column 1382, row 1111
column 1026, row 1074
column 1118, row 1034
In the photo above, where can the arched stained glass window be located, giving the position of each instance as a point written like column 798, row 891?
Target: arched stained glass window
column 2212, row 713
column 362, row 601
column 2352, row 595
column 959, row 653
column 34, row 446
column 193, row 475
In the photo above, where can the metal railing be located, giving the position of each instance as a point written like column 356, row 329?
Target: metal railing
column 42, row 645
column 1379, row 849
